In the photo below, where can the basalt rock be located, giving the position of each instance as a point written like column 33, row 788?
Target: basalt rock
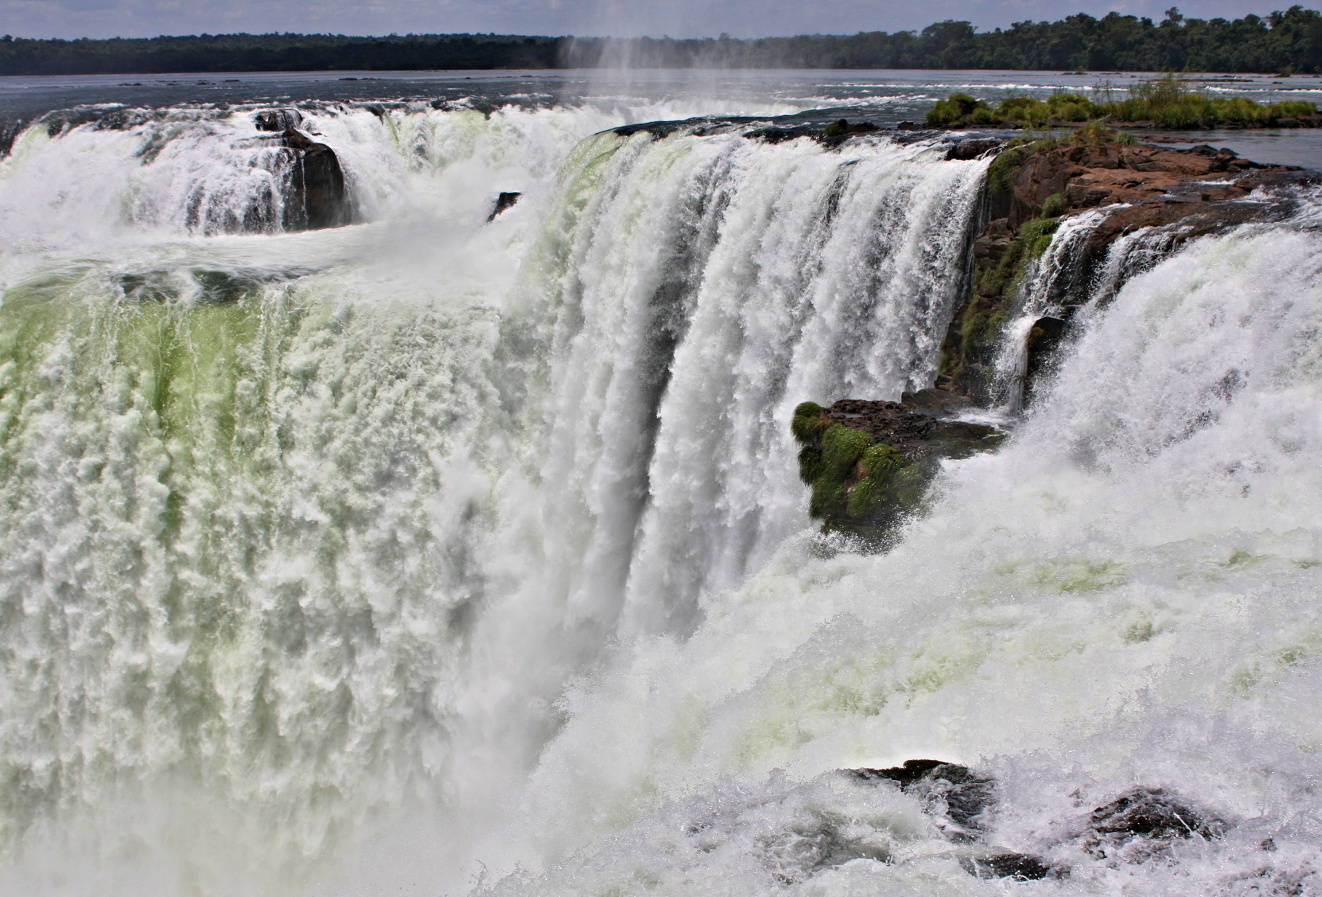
column 318, row 197
column 869, row 462
column 1014, row 866
column 1031, row 188
column 1143, row 822
column 503, row 201
column 961, row 802
column 277, row 120
column 958, row 798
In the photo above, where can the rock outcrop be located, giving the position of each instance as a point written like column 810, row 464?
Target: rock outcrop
column 1139, row 825
column 505, row 200
column 318, row 197
column 1032, row 187
column 277, row 120
column 869, row 462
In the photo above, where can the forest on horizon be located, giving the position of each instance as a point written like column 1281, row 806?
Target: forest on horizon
column 1281, row 42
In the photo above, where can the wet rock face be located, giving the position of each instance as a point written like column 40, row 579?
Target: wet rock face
column 959, row 799
column 318, row 197
column 505, row 200
column 1143, row 822
column 961, row 803
column 277, row 120
column 869, row 463
column 1013, row 866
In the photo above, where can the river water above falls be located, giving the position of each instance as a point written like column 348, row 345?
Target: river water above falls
column 437, row 555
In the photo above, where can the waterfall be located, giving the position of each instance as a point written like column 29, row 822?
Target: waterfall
column 451, row 555
column 1124, row 596
column 305, row 533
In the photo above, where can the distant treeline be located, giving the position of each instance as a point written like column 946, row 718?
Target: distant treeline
column 1280, row 42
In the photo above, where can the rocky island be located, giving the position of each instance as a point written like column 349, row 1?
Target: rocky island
column 869, row 462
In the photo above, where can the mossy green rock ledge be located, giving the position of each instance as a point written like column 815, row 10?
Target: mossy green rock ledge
column 869, row 463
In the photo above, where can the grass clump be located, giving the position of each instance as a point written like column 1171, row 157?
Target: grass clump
column 1036, row 235
column 842, row 447
column 808, row 424
column 829, row 466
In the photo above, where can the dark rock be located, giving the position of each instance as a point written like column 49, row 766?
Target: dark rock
column 1016, row 866
column 318, row 197
column 1043, row 341
column 10, row 128
column 277, row 119
column 972, row 148
column 503, row 202
column 1145, row 821
column 869, row 462
column 955, row 796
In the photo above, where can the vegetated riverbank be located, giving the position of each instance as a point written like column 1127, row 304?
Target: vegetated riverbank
column 1167, row 102
column 1285, row 41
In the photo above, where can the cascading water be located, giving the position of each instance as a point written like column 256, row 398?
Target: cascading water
column 1125, row 596
column 304, row 534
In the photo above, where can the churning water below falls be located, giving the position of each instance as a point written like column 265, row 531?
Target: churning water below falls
column 429, row 556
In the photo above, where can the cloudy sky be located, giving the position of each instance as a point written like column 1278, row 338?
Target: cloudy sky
column 678, row 18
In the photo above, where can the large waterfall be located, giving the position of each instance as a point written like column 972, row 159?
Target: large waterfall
column 432, row 554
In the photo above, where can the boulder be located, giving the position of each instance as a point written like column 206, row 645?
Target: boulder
column 503, row 201
column 318, row 197
column 277, row 120
column 1143, row 822
column 1014, row 866
column 958, row 798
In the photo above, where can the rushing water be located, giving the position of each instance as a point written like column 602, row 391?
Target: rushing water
column 430, row 555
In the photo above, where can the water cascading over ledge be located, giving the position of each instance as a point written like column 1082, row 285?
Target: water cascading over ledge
column 689, row 291
column 287, row 544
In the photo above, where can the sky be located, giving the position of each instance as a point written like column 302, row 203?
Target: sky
column 677, row 18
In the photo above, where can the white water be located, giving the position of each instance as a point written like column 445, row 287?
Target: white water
column 456, row 547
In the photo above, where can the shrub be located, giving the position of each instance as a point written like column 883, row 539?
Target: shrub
column 808, row 424
column 961, row 109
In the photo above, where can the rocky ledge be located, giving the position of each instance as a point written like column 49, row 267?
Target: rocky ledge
column 869, row 463
column 317, row 196
column 1033, row 186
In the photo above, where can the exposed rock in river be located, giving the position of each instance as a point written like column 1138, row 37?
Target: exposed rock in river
column 317, row 195
column 504, row 201
column 869, row 462
column 1033, row 187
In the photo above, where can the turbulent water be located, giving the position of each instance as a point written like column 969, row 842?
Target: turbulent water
column 431, row 555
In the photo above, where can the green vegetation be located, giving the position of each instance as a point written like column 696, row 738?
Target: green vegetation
column 1284, row 42
column 1165, row 102
column 856, row 481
